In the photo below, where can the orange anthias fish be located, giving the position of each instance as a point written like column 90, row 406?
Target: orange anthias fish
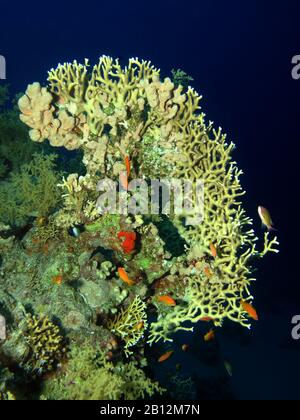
column 265, row 217
column 249, row 309
column 167, row 300
column 57, row 279
column 208, row 272
column 124, row 180
column 209, row 336
column 128, row 165
column 125, row 176
column 213, row 250
column 165, row 356
column 124, row 276
column 128, row 244
column 206, row 319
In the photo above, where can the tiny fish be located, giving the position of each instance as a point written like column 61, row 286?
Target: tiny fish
column 41, row 221
column 165, row 356
column 124, row 276
column 139, row 325
column 124, row 176
column 209, row 336
column 178, row 366
column 265, row 217
column 76, row 232
column 57, row 279
column 167, row 300
column 228, row 368
column 207, row 272
column 206, row 319
column 213, row 250
column 124, row 180
column 249, row 309
column 128, row 165
column 185, row 347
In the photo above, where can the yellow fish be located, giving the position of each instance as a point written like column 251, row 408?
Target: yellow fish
column 265, row 217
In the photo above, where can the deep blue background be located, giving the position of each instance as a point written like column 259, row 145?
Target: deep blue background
column 239, row 54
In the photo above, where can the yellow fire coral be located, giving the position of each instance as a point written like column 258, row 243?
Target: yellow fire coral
column 130, row 324
column 225, row 228
column 89, row 376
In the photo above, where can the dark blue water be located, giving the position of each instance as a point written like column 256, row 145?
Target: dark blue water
column 239, row 54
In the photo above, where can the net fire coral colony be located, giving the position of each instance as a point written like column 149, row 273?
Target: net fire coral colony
column 128, row 119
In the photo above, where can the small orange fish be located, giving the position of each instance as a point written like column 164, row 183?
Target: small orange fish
column 185, row 347
column 206, row 319
column 209, row 336
column 124, row 176
column 165, row 356
column 250, row 310
column 128, row 165
column 207, row 272
column 124, row 180
column 213, row 250
column 167, row 300
column 57, row 279
column 124, row 276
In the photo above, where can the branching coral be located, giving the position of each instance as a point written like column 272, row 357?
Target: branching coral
column 45, row 343
column 225, row 227
column 130, row 323
column 180, row 77
column 113, row 113
column 88, row 376
column 31, row 192
column 107, row 114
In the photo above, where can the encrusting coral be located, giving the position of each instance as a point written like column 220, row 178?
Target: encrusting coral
column 123, row 121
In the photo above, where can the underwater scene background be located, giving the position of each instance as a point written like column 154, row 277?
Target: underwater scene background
column 98, row 305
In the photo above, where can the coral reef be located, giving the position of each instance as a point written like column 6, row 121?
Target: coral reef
column 89, row 376
column 107, row 278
